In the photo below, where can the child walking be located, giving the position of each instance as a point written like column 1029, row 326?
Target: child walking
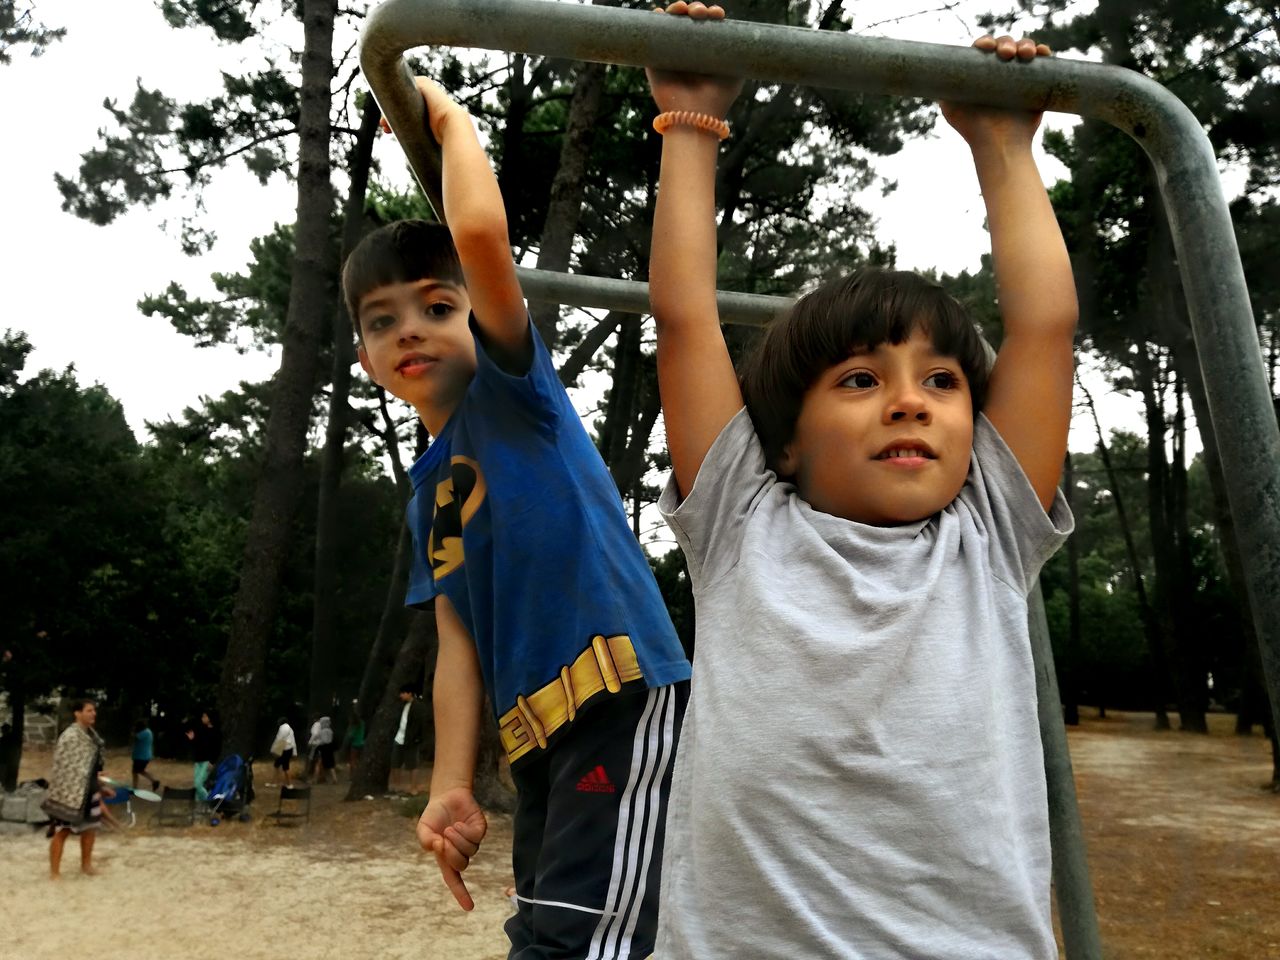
column 863, row 515
column 543, row 599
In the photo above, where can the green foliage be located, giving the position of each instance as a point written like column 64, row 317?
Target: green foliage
column 1111, row 662
column 255, row 302
column 17, row 28
column 74, row 517
column 159, row 142
column 125, row 558
column 977, row 292
column 384, row 204
column 228, row 22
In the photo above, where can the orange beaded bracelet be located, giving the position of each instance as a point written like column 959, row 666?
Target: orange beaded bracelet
column 688, row 118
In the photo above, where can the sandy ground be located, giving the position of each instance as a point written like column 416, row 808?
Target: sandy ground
column 1184, row 849
column 350, row 884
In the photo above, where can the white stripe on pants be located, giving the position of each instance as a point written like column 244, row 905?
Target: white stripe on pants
column 652, row 751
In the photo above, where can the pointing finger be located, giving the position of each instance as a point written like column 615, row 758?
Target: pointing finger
column 458, row 887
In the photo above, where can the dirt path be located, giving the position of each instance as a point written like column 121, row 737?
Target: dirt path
column 1184, row 849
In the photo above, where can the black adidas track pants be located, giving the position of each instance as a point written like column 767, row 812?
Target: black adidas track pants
column 589, row 825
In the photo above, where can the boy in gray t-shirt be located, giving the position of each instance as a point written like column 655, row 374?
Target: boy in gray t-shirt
column 860, row 771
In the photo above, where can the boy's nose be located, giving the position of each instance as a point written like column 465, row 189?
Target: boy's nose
column 411, row 332
column 907, row 404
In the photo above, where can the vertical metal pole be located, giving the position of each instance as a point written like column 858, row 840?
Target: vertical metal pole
column 1072, row 886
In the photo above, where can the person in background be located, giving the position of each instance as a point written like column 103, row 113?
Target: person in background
column 353, row 739
column 321, row 763
column 283, row 747
column 206, row 745
column 74, row 803
column 143, row 752
column 407, row 743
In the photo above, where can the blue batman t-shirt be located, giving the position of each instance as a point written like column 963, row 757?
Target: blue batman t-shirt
column 516, row 519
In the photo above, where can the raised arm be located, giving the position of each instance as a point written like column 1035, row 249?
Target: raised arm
column 699, row 388
column 478, row 224
column 1029, row 397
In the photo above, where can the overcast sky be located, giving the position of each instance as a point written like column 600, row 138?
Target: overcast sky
column 73, row 287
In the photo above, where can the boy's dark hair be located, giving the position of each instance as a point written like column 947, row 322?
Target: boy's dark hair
column 399, row 252
column 858, row 311
column 409, row 688
column 140, row 724
column 79, row 703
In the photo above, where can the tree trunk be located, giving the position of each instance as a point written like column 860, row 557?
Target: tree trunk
column 1150, row 627
column 17, row 691
column 393, row 622
column 323, row 694
column 620, row 408
column 1193, row 705
column 581, row 355
column 381, row 657
column 1166, row 305
column 418, row 649
column 490, row 792
column 1067, row 684
column 630, row 469
column 279, row 486
column 565, row 207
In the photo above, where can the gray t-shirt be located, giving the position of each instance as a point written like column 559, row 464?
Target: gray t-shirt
column 860, row 772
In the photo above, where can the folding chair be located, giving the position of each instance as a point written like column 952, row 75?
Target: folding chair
column 1213, row 280
column 299, row 800
column 177, row 805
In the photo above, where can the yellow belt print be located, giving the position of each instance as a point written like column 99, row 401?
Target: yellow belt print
column 605, row 665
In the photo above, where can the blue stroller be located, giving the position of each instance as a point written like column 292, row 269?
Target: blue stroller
column 232, row 789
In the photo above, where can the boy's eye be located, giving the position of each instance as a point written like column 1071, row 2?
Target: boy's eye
column 860, row 379
column 379, row 322
column 942, row 380
column 441, row 308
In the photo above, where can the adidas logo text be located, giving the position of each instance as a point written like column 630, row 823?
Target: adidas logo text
column 597, row 781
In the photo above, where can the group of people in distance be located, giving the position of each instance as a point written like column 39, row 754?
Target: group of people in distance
column 77, row 787
column 321, row 761
column 855, row 769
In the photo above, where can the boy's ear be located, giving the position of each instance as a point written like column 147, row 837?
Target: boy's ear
column 367, row 367
column 788, row 461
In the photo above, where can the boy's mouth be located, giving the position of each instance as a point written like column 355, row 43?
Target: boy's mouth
column 910, row 450
column 413, row 364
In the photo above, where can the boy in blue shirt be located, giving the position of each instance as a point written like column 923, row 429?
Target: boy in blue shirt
column 543, row 599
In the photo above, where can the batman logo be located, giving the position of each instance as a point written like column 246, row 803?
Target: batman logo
column 458, row 497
